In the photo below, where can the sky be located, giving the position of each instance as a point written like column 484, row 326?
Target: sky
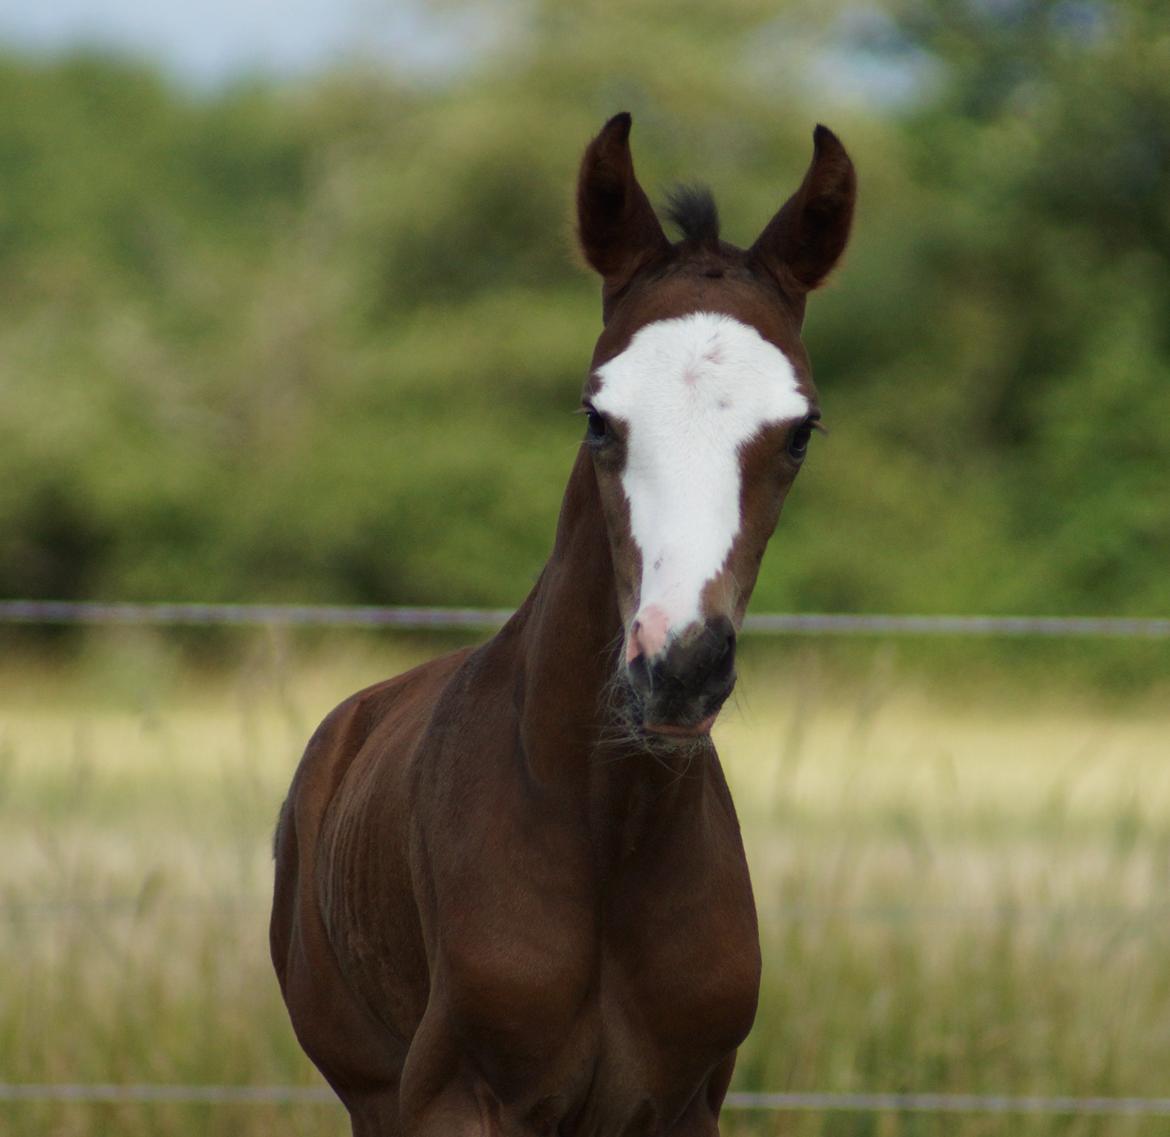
column 210, row 42
column 206, row 44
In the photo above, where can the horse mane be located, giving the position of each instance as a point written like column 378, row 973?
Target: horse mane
column 693, row 210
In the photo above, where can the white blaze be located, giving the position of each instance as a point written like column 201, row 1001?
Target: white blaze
column 691, row 390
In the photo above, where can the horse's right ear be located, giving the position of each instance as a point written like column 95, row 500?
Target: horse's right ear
column 616, row 224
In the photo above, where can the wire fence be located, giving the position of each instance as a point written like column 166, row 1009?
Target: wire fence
column 68, row 612
column 1112, row 917
column 104, row 1093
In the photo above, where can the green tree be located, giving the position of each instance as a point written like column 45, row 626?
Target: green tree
column 323, row 342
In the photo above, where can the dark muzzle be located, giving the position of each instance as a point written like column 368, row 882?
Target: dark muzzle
column 682, row 688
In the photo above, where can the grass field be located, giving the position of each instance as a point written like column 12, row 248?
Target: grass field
column 964, row 884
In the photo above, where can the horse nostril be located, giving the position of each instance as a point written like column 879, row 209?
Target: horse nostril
column 639, row 670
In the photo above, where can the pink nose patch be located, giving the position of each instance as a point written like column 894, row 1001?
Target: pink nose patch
column 648, row 633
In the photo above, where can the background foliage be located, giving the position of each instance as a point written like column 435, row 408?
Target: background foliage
column 321, row 341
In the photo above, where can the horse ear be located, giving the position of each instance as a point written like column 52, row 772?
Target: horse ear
column 802, row 243
column 616, row 224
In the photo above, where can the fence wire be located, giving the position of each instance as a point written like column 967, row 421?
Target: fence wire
column 1114, row 917
column 62, row 612
column 153, row 1093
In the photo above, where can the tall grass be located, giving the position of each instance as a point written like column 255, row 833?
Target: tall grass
column 961, row 890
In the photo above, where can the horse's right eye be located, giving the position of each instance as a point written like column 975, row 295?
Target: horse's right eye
column 597, row 429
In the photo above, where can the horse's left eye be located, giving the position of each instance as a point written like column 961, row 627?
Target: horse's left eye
column 798, row 440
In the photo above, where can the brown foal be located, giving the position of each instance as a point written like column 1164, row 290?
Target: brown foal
column 511, row 896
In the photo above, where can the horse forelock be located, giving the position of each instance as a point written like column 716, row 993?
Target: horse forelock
column 692, row 208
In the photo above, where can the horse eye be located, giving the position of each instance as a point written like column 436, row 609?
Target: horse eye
column 798, row 441
column 597, row 429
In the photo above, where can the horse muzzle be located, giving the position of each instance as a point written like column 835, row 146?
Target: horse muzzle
column 682, row 686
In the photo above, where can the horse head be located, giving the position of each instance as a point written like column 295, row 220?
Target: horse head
column 700, row 404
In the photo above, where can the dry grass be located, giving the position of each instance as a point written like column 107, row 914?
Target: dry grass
column 961, row 891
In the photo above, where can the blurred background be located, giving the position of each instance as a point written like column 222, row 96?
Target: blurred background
column 290, row 311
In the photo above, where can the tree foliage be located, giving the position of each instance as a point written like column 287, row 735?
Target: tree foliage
column 323, row 342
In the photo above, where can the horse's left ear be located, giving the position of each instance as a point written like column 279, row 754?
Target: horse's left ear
column 802, row 243
column 616, row 223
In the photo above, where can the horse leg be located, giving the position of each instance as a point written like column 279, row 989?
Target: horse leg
column 456, row 1112
column 702, row 1118
column 374, row 1113
column 439, row 1098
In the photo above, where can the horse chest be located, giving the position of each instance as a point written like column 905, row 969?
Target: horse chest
column 633, row 998
column 680, row 963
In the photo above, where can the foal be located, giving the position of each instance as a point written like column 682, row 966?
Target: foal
column 511, row 896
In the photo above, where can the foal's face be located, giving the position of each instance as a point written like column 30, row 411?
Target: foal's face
column 698, row 425
column 700, row 407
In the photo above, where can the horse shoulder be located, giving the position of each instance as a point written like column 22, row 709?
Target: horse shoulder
column 504, row 877
column 347, row 809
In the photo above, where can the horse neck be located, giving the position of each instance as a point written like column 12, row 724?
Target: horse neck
column 569, row 637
